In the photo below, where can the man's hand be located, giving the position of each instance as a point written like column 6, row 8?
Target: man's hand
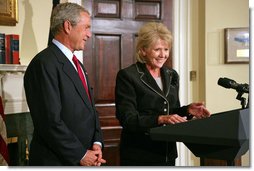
column 90, row 158
column 93, row 157
column 100, row 160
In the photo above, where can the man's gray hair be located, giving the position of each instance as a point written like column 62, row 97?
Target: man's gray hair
column 63, row 12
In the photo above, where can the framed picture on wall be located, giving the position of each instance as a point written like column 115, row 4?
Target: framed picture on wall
column 237, row 45
column 8, row 12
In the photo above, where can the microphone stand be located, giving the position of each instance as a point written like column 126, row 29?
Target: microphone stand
column 243, row 103
column 242, row 99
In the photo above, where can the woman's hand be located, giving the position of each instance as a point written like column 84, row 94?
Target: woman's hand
column 171, row 119
column 198, row 110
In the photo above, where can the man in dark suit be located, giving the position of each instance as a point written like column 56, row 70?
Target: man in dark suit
column 66, row 125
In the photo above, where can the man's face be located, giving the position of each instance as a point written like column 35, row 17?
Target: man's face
column 81, row 32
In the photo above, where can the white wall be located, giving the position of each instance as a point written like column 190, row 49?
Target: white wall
column 222, row 14
column 229, row 13
column 33, row 27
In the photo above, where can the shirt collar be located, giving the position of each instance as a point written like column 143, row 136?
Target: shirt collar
column 64, row 49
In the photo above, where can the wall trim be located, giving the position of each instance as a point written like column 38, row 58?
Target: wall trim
column 181, row 33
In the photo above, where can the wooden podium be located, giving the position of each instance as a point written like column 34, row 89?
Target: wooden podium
column 223, row 136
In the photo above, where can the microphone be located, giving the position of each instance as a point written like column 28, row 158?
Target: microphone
column 228, row 83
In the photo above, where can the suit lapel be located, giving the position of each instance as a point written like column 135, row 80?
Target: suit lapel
column 166, row 74
column 147, row 78
column 70, row 71
column 88, row 83
column 149, row 81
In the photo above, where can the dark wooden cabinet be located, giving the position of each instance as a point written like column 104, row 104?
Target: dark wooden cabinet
column 19, row 131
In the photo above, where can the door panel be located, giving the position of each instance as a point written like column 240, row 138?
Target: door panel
column 115, row 24
column 107, row 63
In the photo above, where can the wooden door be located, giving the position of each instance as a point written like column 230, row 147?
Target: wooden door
column 114, row 29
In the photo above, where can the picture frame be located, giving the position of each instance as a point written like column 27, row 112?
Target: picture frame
column 8, row 12
column 237, row 45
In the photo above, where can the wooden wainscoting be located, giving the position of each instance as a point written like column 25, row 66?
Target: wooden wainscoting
column 216, row 162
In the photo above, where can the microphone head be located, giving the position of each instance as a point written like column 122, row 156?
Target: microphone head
column 226, row 82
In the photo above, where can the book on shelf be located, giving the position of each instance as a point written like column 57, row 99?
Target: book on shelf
column 12, row 49
column 2, row 48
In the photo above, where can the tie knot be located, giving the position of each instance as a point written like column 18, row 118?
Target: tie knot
column 75, row 59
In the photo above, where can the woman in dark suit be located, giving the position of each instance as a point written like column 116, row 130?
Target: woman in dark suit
column 147, row 97
column 66, row 125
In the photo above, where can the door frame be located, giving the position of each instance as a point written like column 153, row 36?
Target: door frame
column 181, row 63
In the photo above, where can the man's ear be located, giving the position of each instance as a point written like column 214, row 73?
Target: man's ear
column 67, row 26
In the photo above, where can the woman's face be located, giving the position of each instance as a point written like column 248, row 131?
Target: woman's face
column 157, row 54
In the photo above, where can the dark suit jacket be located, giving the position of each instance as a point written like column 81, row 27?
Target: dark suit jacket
column 139, row 102
column 65, row 122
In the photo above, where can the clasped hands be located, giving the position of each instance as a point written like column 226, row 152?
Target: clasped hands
column 198, row 110
column 93, row 157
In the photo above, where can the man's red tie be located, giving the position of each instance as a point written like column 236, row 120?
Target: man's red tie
column 81, row 75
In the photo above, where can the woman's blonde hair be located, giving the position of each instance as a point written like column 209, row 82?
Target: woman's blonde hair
column 149, row 34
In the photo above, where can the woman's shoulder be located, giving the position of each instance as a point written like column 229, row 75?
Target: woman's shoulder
column 170, row 71
column 129, row 69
